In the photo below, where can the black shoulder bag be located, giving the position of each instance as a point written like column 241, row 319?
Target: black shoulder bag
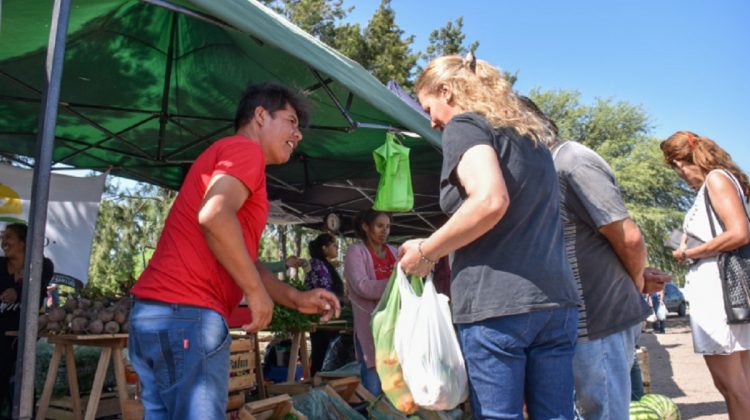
column 734, row 270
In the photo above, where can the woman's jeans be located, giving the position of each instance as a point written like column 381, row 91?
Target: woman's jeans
column 181, row 355
column 525, row 357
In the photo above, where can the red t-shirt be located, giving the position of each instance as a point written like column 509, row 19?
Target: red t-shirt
column 383, row 266
column 183, row 269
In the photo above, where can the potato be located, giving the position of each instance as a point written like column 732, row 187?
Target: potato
column 43, row 320
column 95, row 327
column 111, row 327
column 84, row 303
column 54, row 327
column 56, row 314
column 106, row 315
column 125, row 327
column 71, row 304
column 78, row 325
column 121, row 316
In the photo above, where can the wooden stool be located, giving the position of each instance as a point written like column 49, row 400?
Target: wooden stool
column 111, row 345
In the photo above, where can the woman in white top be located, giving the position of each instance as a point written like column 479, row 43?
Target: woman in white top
column 708, row 169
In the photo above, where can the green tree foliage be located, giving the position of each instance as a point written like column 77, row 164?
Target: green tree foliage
column 448, row 40
column 319, row 18
column 126, row 233
column 618, row 131
column 388, row 56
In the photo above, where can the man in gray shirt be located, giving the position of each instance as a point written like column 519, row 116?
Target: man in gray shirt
column 608, row 257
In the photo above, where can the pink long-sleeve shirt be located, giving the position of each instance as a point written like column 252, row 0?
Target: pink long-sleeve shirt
column 364, row 292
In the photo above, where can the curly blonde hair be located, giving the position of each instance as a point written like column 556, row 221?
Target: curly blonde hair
column 689, row 147
column 477, row 86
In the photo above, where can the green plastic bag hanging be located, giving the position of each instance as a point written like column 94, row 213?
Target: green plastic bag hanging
column 383, row 323
column 394, row 189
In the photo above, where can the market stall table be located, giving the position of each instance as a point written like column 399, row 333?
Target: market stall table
column 111, row 345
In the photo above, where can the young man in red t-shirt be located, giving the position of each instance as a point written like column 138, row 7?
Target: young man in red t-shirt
column 206, row 261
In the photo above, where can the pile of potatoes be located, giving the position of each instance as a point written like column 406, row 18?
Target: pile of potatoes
column 86, row 316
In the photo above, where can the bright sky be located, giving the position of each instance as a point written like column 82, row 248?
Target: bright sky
column 685, row 62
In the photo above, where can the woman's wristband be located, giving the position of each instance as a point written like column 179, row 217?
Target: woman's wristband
column 422, row 257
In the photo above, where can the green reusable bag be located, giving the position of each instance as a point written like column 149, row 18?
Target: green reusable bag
column 394, row 189
column 383, row 323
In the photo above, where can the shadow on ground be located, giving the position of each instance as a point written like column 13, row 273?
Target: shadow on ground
column 679, row 352
column 691, row 411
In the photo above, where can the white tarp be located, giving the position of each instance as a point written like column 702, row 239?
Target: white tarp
column 71, row 216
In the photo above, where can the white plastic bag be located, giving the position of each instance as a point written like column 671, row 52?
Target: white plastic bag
column 427, row 347
column 661, row 313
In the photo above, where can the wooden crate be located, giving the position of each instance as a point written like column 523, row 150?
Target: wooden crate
column 269, row 408
column 242, row 364
column 132, row 410
column 345, row 387
column 291, row 388
column 62, row 408
column 642, row 356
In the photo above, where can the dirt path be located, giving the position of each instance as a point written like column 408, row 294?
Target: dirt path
column 682, row 375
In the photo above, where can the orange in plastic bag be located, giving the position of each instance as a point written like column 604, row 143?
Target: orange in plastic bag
column 383, row 324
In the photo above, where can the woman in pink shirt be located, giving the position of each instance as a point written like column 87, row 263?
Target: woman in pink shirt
column 367, row 269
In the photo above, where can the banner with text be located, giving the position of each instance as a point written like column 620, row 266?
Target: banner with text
column 71, row 217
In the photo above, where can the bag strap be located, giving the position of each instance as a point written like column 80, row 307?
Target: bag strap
column 710, row 210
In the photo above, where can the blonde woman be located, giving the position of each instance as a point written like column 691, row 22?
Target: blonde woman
column 709, row 169
column 514, row 298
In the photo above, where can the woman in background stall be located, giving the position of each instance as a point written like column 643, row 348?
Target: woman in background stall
column 367, row 269
column 11, row 293
column 323, row 275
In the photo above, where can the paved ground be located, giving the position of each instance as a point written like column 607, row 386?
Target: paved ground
column 682, row 375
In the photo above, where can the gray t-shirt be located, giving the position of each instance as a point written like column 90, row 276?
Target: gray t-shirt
column 591, row 199
column 518, row 266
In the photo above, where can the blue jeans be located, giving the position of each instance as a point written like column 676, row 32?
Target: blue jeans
column 368, row 376
column 602, row 375
column 514, row 358
column 181, row 355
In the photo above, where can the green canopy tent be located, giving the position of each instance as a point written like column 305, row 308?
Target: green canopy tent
column 148, row 85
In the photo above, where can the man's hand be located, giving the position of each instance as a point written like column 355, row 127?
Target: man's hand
column 318, row 301
column 261, row 310
column 655, row 280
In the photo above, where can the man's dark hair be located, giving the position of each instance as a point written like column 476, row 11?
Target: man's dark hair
column 533, row 107
column 272, row 97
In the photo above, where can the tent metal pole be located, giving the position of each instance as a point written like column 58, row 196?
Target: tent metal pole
column 78, row 114
column 98, row 144
column 333, row 97
column 207, row 137
column 23, row 400
column 197, row 15
column 164, row 114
